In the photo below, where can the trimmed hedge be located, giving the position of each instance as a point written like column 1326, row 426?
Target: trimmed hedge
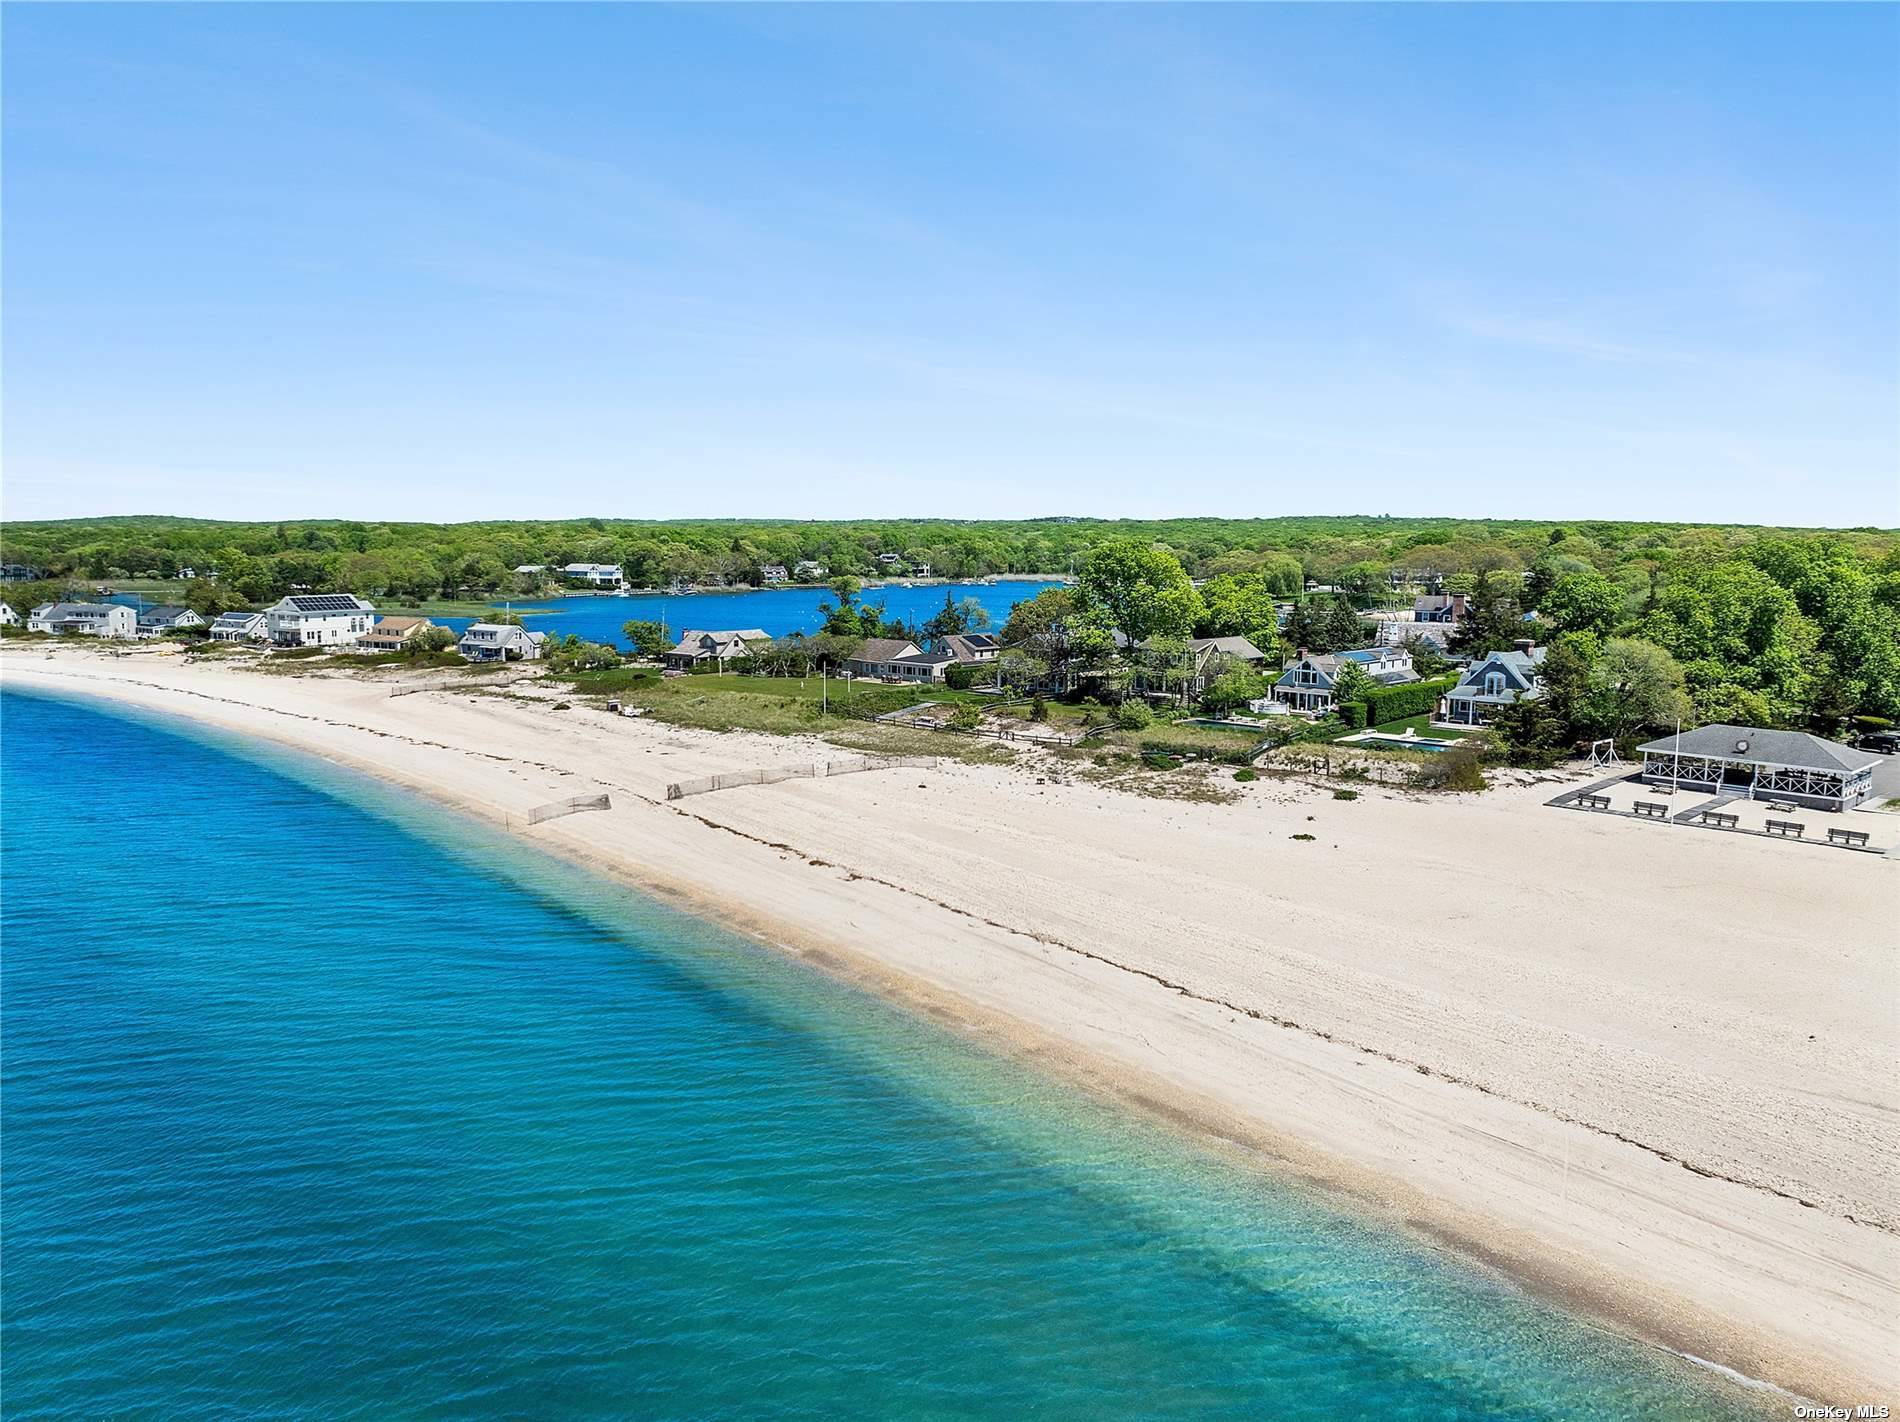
column 1395, row 703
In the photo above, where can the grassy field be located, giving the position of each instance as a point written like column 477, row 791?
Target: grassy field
column 1421, row 725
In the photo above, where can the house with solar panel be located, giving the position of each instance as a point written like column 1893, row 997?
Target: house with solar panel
column 240, row 627
column 1747, row 762
column 1307, row 682
column 318, row 620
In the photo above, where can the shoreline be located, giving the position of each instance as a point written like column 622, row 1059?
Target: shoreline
column 1730, row 1273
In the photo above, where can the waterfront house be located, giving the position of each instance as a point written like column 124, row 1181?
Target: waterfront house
column 695, row 648
column 595, row 575
column 1308, row 681
column 501, row 642
column 528, row 570
column 1748, row 762
column 18, row 573
column 807, row 570
column 166, row 617
column 772, row 574
column 897, row 659
column 8, row 617
column 1492, row 681
column 240, row 627
column 318, row 620
column 111, row 620
column 889, row 560
column 392, row 634
column 972, row 648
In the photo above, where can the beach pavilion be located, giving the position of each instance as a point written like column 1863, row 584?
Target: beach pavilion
column 1750, row 763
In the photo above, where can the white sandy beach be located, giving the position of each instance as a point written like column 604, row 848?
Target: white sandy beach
column 1653, row 1072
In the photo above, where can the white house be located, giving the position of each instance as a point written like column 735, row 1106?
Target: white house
column 1307, row 682
column 501, row 642
column 595, row 575
column 8, row 617
column 808, row 569
column 85, row 619
column 240, row 627
column 318, row 620
column 771, row 573
column 156, row 621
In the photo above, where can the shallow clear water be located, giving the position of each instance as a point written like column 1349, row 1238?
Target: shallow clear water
column 320, row 1103
column 777, row 612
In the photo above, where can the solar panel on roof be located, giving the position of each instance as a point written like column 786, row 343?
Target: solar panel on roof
column 325, row 602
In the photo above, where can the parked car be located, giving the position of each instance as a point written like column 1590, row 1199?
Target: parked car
column 1884, row 742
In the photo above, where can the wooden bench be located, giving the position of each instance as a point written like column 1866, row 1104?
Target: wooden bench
column 1594, row 802
column 1785, row 828
column 1650, row 809
column 1719, row 820
column 1848, row 836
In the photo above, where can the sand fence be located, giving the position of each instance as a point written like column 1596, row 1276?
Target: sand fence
column 814, row 770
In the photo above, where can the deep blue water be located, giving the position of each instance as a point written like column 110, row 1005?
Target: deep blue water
column 778, row 612
column 319, row 1103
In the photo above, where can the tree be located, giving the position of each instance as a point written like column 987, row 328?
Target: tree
column 1583, row 602
column 1633, row 684
column 1139, row 591
column 432, row 639
column 1235, row 685
column 1352, row 683
column 647, row 638
column 1239, row 605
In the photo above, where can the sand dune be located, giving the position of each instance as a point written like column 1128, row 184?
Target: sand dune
column 1656, row 1072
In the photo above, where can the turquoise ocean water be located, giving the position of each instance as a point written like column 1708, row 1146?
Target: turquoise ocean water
column 319, row 1103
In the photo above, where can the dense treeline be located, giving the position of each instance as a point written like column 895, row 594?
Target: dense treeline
column 1767, row 626
column 428, row 560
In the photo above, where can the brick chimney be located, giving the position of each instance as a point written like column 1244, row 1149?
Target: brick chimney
column 1525, row 644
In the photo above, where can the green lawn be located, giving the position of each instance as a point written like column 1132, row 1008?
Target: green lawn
column 1422, row 725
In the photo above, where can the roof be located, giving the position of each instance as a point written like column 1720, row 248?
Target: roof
column 325, row 603
column 727, row 643
column 234, row 618
column 1752, row 744
column 971, row 644
column 922, row 659
column 1227, row 647
column 397, row 626
column 77, row 609
column 164, row 612
column 884, row 649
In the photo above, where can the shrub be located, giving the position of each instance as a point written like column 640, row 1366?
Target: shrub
column 958, row 676
column 1134, row 716
column 966, row 718
column 1459, row 769
column 1395, row 703
column 1353, row 713
column 1345, row 794
column 1302, row 836
column 1245, row 773
column 1038, row 709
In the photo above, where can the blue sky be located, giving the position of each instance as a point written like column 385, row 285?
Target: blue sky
column 537, row 261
